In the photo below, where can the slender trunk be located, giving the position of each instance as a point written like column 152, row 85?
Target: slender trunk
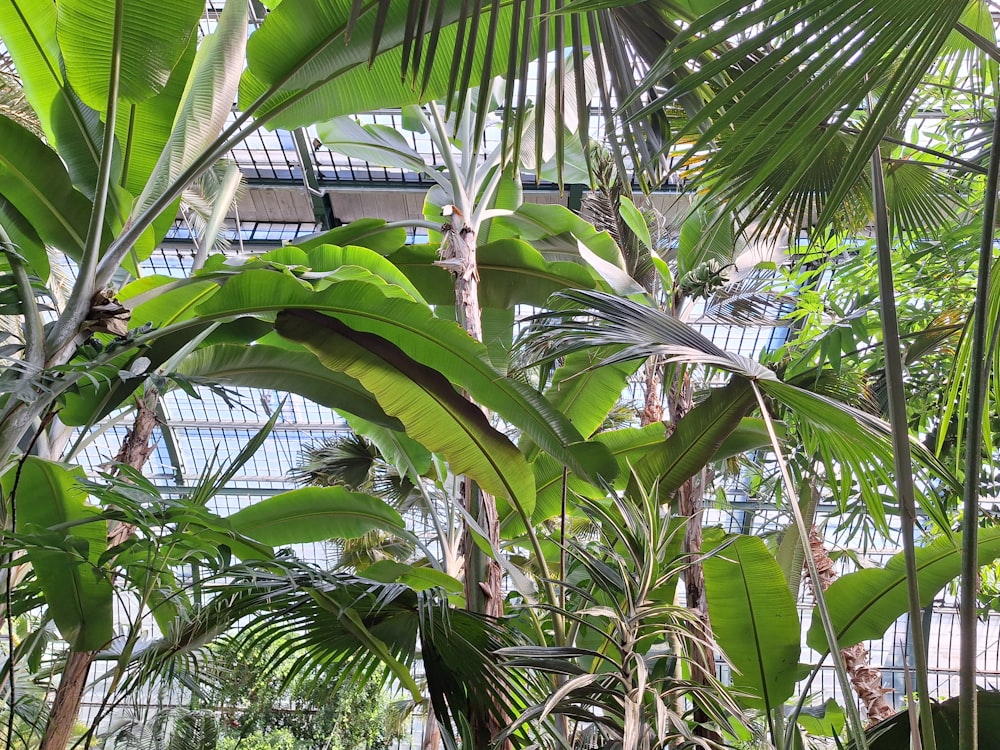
column 865, row 679
column 652, row 410
column 483, row 574
column 680, row 400
column 134, row 452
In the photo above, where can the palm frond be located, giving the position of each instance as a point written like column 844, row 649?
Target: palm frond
column 750, row 301
column 779, row 79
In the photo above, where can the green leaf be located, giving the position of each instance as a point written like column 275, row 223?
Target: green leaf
column 370, row 233
column 353, row 623
column 27, row 243
column 754, row 618
column 154, row 36
column 34, row 181
column 418, row 578
column 695, row 441
column 77, row 591
column 365, row 307
column 282, row 369
column 144, row 128
column 635, row 221
column 302, row 50
column 627, row 446
column 315, row 514
column 377, row 144
column 512, row 273
column 333, row 257
column 432, row 411
column 205, row 103
column 865, row 603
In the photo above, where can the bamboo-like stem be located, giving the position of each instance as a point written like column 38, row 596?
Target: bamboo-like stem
column 853, row 714
column 968, row 719
column 903, row 467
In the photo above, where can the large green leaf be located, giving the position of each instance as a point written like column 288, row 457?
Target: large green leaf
column 754, row 618
column 144, row 128
column 28, row 29
column 627, row 446
column 512, row 273
column 283, row 369
column 865, row 603
column 27, row 243
column 696, row 439
column 77, row 591
column 375, row 308
column 315, row 514
column 205, row 103
column 376, row 144
column 320, row 71
column 35, row 182
column 153, row 38
column 371, row 233
column 430, row 408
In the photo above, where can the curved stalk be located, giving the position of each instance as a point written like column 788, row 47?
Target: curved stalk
column 978, row 379
column 903, row 466
column 34, row 331
column 78, row 305
column 853, row 714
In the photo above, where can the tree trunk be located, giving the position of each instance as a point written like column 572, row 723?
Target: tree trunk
column 483, row 574
column 134, row 452
column 865, row 679
column 66, row 706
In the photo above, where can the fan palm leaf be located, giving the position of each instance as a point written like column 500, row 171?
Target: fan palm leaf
column 781, row 78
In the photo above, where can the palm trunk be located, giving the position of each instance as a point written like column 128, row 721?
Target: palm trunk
column 865, row 679
column 134, row 452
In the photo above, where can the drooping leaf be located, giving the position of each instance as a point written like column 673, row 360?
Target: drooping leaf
column 364, row 306
column 432, row 411
column 315, row 514
column 288, row 370
column 77, row 591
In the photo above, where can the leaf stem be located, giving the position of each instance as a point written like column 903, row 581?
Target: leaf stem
column 853, row 714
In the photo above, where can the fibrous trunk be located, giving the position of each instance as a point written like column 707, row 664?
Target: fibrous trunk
column 865, row 679
column 483, row 574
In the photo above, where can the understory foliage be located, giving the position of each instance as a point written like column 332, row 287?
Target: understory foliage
column 507, row 437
